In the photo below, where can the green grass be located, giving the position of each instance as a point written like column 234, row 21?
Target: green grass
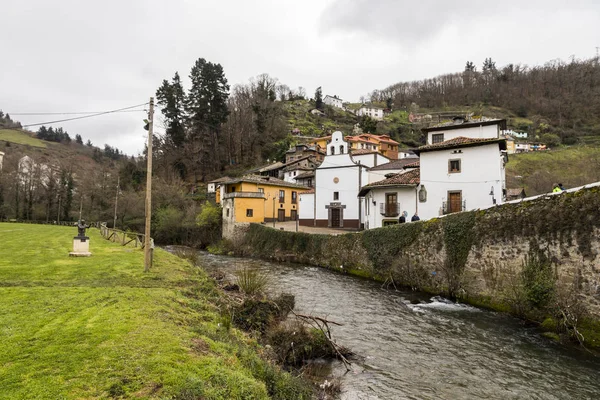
column 100, row 327
column 537, row 171
column 18, row 137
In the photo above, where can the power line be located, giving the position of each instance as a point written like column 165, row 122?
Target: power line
column 85, row 116
column 74, row 113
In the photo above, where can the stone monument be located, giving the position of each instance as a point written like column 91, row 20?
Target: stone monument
column 81, row 243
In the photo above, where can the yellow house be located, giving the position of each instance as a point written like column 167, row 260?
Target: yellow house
column 321, row 142
column 255, row 198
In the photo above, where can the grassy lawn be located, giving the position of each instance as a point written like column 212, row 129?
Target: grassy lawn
column 537, row 171
column 15, row 136
column 99, row 327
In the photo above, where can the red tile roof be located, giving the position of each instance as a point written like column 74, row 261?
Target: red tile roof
column 408, row 178
column 461, row 141
column 359, row 152
column 415, row 164
column 395, row 164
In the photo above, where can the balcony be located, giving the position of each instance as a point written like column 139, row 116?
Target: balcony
column 256, row 195
column 455, row 207
column 389, row 209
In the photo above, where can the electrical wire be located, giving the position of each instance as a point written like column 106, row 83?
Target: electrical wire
column 73, row 113
column 85, row 116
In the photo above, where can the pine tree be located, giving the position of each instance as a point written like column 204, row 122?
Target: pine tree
column 206, row 108
column 470, row 67
column 171, row 97
column 78, row 139
column 319, row 98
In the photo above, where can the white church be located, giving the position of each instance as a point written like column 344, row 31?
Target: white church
column 462, row 167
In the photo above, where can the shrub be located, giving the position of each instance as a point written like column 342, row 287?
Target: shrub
column 538, row 280
column 251, row 281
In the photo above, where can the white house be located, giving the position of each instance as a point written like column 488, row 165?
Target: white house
column 522, row 147
column 297, row 167
column 460, row 174
column 520, row 135
column 213, row 185
column 338, row 180
column 382, row 171
column 333, row 101
column 386, row 199
column 488, row 129
column 370, row 111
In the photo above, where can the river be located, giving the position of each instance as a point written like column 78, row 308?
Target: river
column 412, row 346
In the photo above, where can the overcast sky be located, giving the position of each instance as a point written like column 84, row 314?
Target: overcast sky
column 79, row 55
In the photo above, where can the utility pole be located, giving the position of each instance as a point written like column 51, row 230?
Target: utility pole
column 147, row 249
column 116, row 201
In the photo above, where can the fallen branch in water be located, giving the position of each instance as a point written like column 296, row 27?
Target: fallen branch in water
column 323, row 325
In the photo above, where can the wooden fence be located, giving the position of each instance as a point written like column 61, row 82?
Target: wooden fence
column 124, row 238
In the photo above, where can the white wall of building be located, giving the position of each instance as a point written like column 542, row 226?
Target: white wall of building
column 482, row 168
column 370, row 160
column 1, row 159
column 307, row 206
column 333, row 101
column 475, row 132
column 338, row 173
column 211, row 187
column 406, row 197
column 373, row 112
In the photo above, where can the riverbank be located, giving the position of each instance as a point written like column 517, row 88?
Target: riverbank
column 538, row 260
column 100, row 327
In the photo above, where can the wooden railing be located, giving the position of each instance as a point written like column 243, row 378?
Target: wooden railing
column 124, row 238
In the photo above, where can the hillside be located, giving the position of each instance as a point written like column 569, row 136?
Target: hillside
column 561, row 98
column 538, row 171
column 18, row 136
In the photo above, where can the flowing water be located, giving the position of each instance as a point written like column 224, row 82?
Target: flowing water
column 412, row 346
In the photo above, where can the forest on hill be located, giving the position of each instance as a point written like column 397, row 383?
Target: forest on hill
column 558, row 97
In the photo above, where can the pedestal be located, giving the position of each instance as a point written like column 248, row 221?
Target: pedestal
column 81, row 247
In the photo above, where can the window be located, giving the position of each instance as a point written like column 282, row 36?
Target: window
column 294, row 197
column 227, row 212
column 232, row 189
column 453, row 166
column 332, row 148
column 249, row 212
column 342, row 149
column 437, row 138
column 336, row 196
column 309, row 182
column 282, row 196
column 261, row 190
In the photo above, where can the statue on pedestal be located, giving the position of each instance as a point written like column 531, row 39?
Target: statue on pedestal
column 81, row 227
column 81, row 243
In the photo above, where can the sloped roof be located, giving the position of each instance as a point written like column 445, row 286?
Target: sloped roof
column 461, row 141
column 263, row 180
column 361, row 152
column 469, row 124
column 414, row 164
column 409, row 178
column 268, row 167
column 219, row 180
column 308, row 174
column 309, row 191
column 394, row 164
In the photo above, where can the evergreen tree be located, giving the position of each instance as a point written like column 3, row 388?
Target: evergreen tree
column 78, row 139
column 470, row 67
column 489, row 65
column 368, row 124
column 206, row 108
column 319, row 98
column 89, row 143
column 171, row 98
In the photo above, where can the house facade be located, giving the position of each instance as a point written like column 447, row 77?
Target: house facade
column 338, row 180
column 259, row 199
column 484, row 129
column 380, row 143
column 385, row 200
column 333, row 101
column 370, row 111
column 298, row 167
column 302, row 150
column 461, row 174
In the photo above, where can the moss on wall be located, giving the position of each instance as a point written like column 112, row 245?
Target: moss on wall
column 515, row 257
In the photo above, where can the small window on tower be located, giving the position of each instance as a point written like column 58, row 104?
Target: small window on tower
column 336, row 196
